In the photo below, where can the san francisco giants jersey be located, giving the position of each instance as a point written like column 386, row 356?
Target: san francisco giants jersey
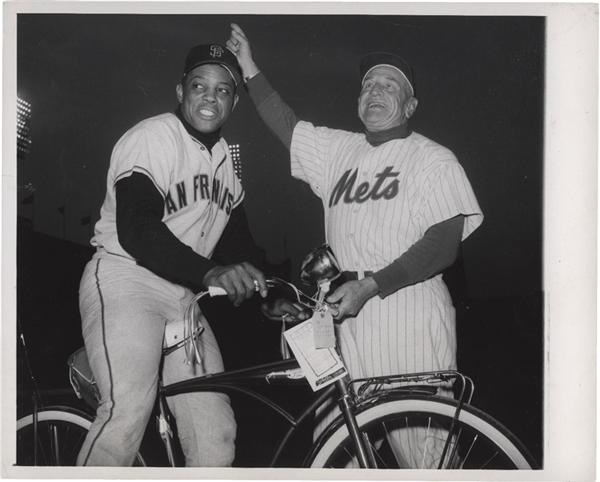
column 379, row 201
column 199, row 189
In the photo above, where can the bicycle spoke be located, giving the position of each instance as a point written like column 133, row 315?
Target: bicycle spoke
column 75, row 445
column 489, row 460
column 350, row 456
column 41, row 452
column 387, row 436
column 426, row 441
column 469, row 451
column 54, row 444
column 375, row 452
column 371, row 449
column 381, row 464
column 409, row 444
column 454, row 458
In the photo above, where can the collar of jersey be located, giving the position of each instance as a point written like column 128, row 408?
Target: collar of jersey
column 380, row 137
column 208, row 140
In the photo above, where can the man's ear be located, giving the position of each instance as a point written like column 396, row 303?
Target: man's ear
column 411, row 107
column 235, row 101
column 179, row 92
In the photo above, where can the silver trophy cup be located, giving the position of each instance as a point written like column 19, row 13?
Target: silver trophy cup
column 319, row 266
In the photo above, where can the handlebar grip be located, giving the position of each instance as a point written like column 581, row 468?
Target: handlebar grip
column 216, row 291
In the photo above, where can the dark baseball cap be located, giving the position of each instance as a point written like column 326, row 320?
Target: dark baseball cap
column 213, row 54
column 374, row 59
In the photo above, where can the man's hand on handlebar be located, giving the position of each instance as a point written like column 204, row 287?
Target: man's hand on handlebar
column 287, row 310
column 241, row 281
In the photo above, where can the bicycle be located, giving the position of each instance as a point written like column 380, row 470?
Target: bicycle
column 372, row 411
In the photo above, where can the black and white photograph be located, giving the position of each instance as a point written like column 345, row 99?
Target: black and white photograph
column 339, row 241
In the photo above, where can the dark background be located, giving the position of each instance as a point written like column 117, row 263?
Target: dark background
column 480, row 86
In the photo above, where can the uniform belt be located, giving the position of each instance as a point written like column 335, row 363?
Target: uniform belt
column 356, row 275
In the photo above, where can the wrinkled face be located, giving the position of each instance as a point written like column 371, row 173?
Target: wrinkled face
column 207, row 97
column 385, row 99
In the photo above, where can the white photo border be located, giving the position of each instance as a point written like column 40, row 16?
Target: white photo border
column 570, row 235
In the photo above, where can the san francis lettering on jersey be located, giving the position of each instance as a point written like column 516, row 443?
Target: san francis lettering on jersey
column 180, row 195
column 381, row 189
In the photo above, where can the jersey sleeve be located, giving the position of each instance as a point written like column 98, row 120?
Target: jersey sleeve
column 237, row 192
column 309, row 154
column 448, row 193
column 238, row 198
column 143, row 151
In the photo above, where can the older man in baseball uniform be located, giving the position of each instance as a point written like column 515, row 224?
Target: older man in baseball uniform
column 397, row 206
column 172, row 202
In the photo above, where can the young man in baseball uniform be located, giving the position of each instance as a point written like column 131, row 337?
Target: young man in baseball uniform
column 172, row 202
column 397, row 206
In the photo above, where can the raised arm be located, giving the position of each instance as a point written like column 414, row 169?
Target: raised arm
column 274, row 112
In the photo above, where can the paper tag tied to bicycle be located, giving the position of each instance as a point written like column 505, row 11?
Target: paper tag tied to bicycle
column 323, row 330
column 321, row 366
column 322, row 320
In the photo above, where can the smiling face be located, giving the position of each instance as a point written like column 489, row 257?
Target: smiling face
column 385, row 99
column 207, row 97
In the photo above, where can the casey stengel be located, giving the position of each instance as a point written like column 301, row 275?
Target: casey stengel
column 345, row 187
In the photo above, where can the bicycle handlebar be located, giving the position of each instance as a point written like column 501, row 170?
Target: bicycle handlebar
column 308, row 302
column 192, row 327
column 216, row 291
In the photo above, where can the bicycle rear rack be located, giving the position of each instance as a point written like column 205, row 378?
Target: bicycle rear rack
column 415, row 382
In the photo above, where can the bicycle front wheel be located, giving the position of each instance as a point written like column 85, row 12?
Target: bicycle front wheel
column 412, row 433
column 60, row 435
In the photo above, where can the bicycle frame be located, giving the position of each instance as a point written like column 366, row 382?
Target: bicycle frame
column 288, row 372
column 371, row 390
column 277, row 373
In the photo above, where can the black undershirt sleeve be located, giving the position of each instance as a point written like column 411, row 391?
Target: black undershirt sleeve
column 148, row 240
column 434, row 252
column 275, row 113
column 236, row 243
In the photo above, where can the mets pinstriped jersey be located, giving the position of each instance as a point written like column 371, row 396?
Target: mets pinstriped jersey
column 199, row 189
column 379, row 201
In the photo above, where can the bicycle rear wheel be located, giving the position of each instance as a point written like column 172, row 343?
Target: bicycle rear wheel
column 411, row 433
column 60, row 435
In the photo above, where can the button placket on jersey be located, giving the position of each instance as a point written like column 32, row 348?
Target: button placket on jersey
column 215, row 171
column 206, row 156
column 363, row 176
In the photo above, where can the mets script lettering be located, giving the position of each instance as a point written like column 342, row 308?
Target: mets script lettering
column 384, row 187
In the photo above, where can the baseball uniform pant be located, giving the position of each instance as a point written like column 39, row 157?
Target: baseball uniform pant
column 375, row 344
column 124, row 310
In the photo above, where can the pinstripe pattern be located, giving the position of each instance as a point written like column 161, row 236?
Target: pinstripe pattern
column 108, row 364
column 378, row 202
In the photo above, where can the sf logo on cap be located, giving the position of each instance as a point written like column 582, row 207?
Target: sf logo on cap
column 216, row 51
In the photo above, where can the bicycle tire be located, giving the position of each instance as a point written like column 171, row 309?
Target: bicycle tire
column 61, row 431
column 483, row 442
